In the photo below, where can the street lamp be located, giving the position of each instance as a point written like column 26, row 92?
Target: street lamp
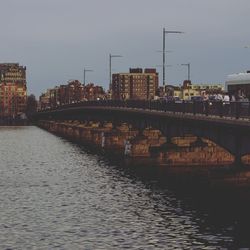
column 84, row 74
column 110, row 69
column 164, row 52
column 188, row 67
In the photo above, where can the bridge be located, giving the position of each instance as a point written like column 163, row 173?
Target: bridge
column 226, row 124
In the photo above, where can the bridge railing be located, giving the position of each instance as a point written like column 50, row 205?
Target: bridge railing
column 234, row 109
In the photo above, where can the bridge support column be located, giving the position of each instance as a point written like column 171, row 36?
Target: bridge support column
column 238, row 161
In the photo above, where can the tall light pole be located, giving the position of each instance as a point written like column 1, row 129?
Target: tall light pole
column 84, row 74
column 164, row 51
column 110, row 69
column 188, row 67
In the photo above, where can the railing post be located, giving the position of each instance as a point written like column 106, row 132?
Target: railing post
column 237, row 110
column 194, row 107
column 221, row 108
column 173, row 106
column 183, row 107
column 165, row 106
column 161, row 106
column 248, row 103
column 206, row 107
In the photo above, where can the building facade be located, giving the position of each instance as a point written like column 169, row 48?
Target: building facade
column 135, row 85
column 61, row 95
column 13, row 90
column 72, row 92
column 190, row 90
column 44, row 100
column 238, row 85
column 93, row 92
column 174, row 91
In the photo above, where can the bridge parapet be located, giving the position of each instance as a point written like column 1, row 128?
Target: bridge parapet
column 234, row 109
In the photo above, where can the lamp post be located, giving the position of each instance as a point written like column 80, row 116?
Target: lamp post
column 188, row 67
column 84, row 74
column 110, row 69
column 164, row 52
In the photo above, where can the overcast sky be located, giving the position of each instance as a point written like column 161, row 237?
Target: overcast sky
column 56, row 39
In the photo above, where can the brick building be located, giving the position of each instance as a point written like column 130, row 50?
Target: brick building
column 93, row 92
column 13, row 90
column 45, row 100
column 136, row 84
column 72, row 92
column 61, row 95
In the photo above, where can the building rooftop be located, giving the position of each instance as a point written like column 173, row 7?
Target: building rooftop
column 238, row 77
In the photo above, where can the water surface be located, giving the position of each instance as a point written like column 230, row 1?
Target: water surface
column 57, row 195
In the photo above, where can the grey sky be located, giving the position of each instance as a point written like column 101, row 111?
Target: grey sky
column 56, row 39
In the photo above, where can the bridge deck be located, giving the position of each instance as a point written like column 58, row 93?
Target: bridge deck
column 242, row 122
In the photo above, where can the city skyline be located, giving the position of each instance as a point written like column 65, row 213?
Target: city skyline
column 56, row 39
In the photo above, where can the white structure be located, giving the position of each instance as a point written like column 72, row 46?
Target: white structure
column 237, row 79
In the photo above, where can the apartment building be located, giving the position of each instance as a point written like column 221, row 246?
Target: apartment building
column 13, row 90
column 135, row 85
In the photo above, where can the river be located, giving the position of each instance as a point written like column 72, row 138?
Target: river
column 59, row 195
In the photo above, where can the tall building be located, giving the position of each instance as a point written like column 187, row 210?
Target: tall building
column 135, row 85
column 13, row 90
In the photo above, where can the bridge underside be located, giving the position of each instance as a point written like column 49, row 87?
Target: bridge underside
column 231, row 136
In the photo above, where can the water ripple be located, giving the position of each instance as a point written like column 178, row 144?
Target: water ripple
column 56, row 196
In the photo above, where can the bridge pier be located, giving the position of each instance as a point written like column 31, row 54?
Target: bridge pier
column 238, row 161
column 116, row 139
column 148, row 142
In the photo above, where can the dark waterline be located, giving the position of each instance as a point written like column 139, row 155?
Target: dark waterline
column 57, row 195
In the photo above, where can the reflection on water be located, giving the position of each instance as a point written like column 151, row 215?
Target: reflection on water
column 55, row 194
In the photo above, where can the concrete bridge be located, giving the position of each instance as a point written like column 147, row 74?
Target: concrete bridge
column 226, row 124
